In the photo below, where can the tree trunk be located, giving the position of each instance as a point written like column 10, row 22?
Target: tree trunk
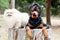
column 12, row 5
column 48, row 6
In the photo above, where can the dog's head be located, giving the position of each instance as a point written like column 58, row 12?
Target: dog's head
column 35, row 10
column 8, row 12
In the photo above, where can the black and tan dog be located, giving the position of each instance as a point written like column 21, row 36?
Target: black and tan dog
column 35, row 21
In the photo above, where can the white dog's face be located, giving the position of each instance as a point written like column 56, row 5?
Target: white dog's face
column 8, row 13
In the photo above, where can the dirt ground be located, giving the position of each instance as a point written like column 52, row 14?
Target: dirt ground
column 55, row 29
column 55, row 22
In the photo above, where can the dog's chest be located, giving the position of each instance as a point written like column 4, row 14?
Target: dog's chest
column 35, row 22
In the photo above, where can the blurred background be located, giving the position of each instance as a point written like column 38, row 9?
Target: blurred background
column 50, row 14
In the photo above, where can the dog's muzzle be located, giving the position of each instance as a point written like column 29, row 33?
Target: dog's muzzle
column 35, row 13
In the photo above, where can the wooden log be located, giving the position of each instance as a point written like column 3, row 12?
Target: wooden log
column 38, row 35
column 21, row 34
column 12, row 33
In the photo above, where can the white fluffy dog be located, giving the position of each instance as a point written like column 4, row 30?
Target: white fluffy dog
column 15, row 19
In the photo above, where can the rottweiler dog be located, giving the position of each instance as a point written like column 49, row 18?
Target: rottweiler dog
column 35, row 21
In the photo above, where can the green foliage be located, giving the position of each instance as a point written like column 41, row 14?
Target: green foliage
column 23, row 5
column 4, row 4
column 55, row 7
column 54, row 3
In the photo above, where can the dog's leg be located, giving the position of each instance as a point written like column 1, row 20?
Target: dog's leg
column 15, row 25
column 16, row 32
column 44, row 30
column 16, row 35
column 29, row 32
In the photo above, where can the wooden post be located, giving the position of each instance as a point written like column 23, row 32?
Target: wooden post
column 37, row 34
column 12, row 5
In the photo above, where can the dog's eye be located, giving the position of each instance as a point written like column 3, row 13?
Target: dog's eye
column 32, row 9
column 38, row 9
column 9, row 13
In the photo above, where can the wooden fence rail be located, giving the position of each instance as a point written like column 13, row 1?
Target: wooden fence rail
column 38, row 35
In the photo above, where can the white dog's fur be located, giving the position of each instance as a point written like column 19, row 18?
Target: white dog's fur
column 17, row 19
